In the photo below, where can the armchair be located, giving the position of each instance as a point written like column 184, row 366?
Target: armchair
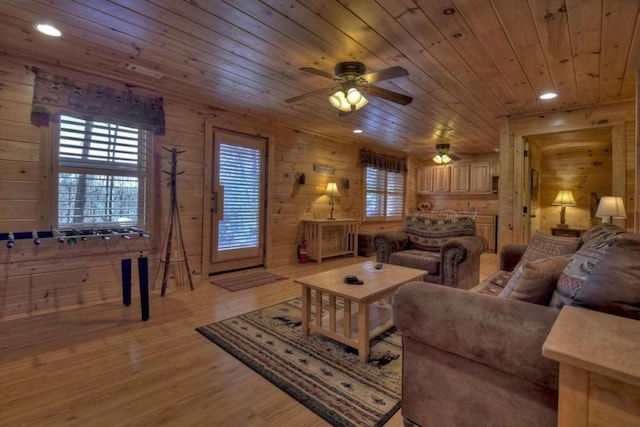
column 447, row 248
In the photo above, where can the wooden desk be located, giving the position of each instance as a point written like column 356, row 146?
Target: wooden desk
column 599, row 356
column 567, row 232
column 326, row 238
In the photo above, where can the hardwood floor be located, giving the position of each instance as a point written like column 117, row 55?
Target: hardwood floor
column 103, row 366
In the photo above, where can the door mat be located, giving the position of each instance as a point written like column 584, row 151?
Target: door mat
column 247, row 280
column 325, row 376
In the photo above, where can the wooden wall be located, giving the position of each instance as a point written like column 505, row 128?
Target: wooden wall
column 57, row 276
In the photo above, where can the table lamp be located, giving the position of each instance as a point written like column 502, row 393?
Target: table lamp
column 332, row 191
column 564, row 199
column 610, row 208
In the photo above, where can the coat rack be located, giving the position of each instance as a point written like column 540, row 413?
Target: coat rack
column 174, row 217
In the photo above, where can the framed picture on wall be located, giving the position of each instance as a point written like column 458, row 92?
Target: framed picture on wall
column 535, row 182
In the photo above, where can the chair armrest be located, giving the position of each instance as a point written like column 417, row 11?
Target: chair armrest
column 454, row 252
column 387, row 242
column 504, row 334
column 510, row 256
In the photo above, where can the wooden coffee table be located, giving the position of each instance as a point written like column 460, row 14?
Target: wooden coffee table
column 354, row 329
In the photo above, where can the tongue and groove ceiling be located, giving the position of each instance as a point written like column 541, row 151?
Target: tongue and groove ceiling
column 470, row 62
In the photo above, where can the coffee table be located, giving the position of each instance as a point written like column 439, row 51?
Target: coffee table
column 354, row 329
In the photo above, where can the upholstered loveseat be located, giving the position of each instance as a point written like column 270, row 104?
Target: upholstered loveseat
column 447, row 248
column 474, row 358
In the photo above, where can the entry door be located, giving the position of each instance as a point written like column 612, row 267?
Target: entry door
column 237, row 202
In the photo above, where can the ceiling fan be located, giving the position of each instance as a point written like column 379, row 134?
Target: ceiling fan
column 443, row 155
column 350, row 82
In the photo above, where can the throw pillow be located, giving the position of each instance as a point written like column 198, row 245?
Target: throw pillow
column 582, row 264
column 614, row 284
column 542, row 246
column 538, row 280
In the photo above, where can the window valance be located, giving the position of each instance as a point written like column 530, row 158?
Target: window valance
column 381, row 161
column 56, row 94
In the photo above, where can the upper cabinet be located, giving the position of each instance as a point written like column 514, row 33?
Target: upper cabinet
column 460, row 177
column 434, row 179
column 480, row 177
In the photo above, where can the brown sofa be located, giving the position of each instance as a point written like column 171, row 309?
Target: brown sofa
column 447, row 248
column 474, row 358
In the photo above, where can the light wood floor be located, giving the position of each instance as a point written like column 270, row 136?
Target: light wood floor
column 102, row 366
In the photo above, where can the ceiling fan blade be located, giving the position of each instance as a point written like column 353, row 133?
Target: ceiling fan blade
column 326, row 90
column 318, row 72
column 386, row 74
column 390, row 95
column 453, row 156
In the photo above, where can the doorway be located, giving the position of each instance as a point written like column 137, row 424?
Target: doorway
column 237, row 201
column 579, row 161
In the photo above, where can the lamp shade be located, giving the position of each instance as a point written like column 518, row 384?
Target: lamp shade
column 564, row 198
column 332, row 189
column 611, row 207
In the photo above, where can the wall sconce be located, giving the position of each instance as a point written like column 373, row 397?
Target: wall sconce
column 564, row 199
column 332, row 191
column 610, row 208
column 300, row 178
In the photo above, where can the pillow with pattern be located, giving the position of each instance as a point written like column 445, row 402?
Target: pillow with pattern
column 596, row 245
column 541, row 246
column 614, row 284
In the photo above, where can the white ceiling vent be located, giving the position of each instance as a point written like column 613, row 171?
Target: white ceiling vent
column 146, row 71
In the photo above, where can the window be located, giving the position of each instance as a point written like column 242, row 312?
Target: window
column 102, row 174
column 384, row 194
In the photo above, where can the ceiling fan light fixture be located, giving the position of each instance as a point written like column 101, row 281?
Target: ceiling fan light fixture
column 352, row 100
column 441, row 159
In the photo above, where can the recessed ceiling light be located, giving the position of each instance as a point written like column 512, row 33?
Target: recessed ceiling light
column 548, row 95
column 357, row 131
column 49, row 30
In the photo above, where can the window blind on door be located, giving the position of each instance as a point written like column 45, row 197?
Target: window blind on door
column 240, row 171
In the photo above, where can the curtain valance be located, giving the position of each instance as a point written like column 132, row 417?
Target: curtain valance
column 56, row 94
column 381, row 161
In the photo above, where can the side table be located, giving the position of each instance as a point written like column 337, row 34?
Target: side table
column 567, row 232
column 599, row 368
column 327, row 238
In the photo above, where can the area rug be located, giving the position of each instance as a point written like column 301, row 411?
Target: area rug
column 247, row 280
column 323, row 375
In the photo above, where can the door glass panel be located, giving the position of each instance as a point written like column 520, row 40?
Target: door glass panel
column 240, row 179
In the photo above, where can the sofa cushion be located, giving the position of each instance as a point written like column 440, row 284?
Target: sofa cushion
column 493, row 284
column 614, row 283
column 414, row 258
column 543, row 246
column 538, row 280
column 430, row 233
column 596, row 244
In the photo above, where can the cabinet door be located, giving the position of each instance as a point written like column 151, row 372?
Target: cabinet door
column 459, row 178
column 486, row 227
column 425, row 180
column 480, row 177
column 441, row 179
column 495, row 168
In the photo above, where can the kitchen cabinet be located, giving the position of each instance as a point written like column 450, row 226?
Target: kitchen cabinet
column 480, row 177
column 460, row 178
column 487, row 227
column 433, row 179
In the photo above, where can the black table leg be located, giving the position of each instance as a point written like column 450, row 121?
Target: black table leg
column 143, row 276
column 126, row 281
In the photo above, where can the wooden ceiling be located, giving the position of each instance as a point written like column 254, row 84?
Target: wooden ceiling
column 470, row 62
column 596, row 138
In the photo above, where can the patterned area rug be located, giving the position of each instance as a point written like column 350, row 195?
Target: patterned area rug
column 325, row 376
column 247, row 280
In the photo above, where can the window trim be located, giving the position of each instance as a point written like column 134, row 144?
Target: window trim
column 145, row 193
column 365, row 192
